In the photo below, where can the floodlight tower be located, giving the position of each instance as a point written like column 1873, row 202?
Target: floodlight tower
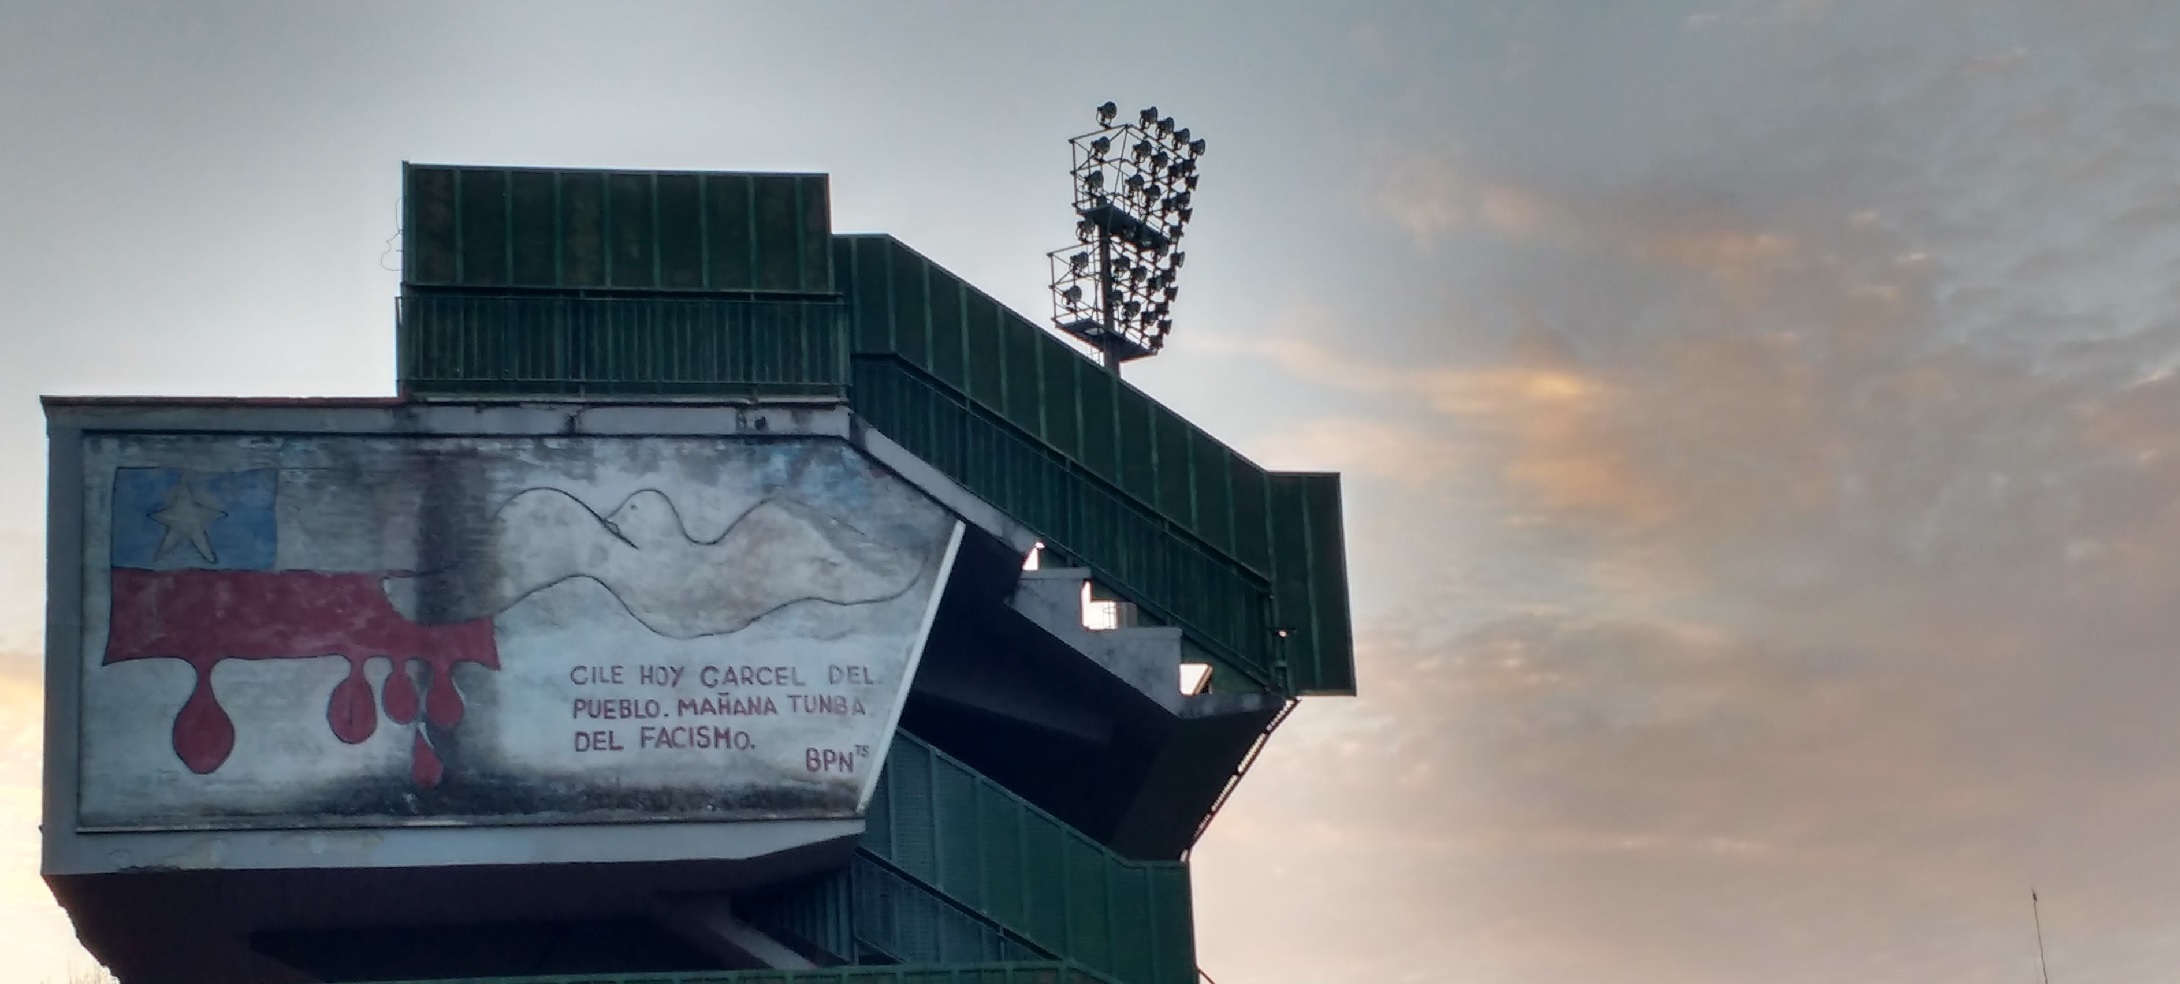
column 1134, row 190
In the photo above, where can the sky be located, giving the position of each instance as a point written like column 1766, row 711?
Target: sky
column 1759, row 424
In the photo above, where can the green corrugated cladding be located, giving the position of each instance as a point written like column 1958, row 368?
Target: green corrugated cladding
column 565, row 282
column 1129, row 547
column 675, row 345
column 1187, row 528
column 869, row 913
column 942, row 825
column 1038, row 972
column 1309, row 587
column 528, row 228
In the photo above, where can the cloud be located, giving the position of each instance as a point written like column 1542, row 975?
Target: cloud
column 1420, row 190
column 1804, row 546
column 34, row 932
column 1402, row 453
column 1640, row 786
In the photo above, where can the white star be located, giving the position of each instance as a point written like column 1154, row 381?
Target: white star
column 188, row 519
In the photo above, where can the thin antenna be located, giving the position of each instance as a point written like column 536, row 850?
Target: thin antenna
column 2036, row 910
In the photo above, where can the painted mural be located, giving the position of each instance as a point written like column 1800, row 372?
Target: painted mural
column 394, row 630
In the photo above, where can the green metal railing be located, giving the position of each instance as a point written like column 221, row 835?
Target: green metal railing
column 458, row 343
column 870, row 913
column 1130, row 450
column 942, row 825
column 1126, row 546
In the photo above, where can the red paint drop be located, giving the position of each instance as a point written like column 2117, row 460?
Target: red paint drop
column 401, row 693
column 351, row 711
column 442, row 703
column 426, row 769
column 201, row 617
column 203, row 734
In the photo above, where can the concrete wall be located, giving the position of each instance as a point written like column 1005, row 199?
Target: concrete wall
column 325, row 629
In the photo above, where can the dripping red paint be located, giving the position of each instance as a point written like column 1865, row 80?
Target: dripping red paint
column 204, row 616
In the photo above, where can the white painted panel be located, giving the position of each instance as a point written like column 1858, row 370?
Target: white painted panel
column 586, row 628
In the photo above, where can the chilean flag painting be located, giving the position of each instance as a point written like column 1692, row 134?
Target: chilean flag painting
column 391, row 629
column 194, row 580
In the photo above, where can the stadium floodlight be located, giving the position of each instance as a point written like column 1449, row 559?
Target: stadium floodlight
column 1114, row 290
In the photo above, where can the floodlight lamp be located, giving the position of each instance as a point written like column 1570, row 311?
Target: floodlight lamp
column 1196, row 146
column 1079, row 262
column 1178, row 259
column 1135, row 182
column 1159, row 159
column 1165, row 127
column 1073, row 296
column 1094, row 180
column 1106, row 113
column 1142, row 149
column 1083, row 231
column 1186, row 212
column 1183, row 199
column 1149, row 115
column 1173, row 291
column 1181, row 135
column 1133, row 308
column 1165, row 325
column 1189, row 179
column 1099, row 146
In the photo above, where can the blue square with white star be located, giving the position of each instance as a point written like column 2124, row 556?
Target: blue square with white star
column 166, row 519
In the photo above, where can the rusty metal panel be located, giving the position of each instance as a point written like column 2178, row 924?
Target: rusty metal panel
column 319, row 630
